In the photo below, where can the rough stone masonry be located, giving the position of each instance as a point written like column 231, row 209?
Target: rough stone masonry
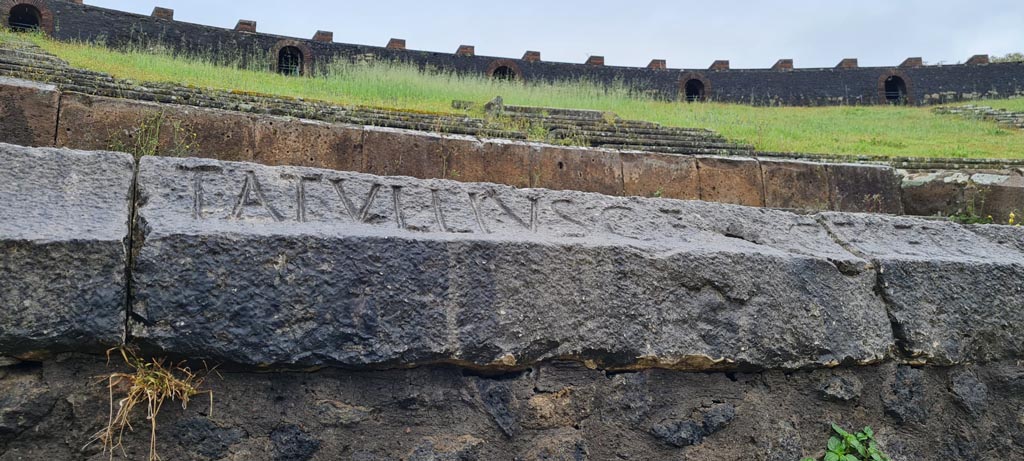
column 478, row 321
column 63, row 249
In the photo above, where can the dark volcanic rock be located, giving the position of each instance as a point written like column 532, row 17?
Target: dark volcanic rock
column 717, row 417
column 50, row 410
column 63, row 236
column 953, row 294
column 970, row 392
column 841, row 388
column 206, row 438
column 291, row 443
column 679, row 433
column 283, row 265
column 903, row 395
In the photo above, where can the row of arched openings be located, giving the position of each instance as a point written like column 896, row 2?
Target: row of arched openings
column 291, row 61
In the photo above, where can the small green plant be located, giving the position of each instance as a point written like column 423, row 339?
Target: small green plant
column 845, row 446
column 975, row 202
column 146, row 139
column 151, row 383
column 969, row 218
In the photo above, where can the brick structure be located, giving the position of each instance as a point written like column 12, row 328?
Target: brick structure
column 163, row 13
column 466, row 50
column 912, row 63
column 658, row 64
column 504, row 68
column 694, row 86
column 531, row 56
column 396, row 44
column 323, row 36
column 978, row 59
column 595, row 61
column 783, row 64
column 721, row 64
column 38, row 10
column 848, row 63
column 895, row 81
column 245, row 25
column 305, row 64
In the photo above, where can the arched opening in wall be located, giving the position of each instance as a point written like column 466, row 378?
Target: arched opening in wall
column 290, row 61
column 694, row 89
column 895, row 90
column 24, row 18
column 504, row 73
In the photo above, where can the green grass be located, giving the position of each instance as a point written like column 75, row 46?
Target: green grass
column 877, row 130
column 1015, row 104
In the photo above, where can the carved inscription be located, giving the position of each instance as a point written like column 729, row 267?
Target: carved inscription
column 252, row 193
column 197, row 185
column 258, row 196
column 360, row 214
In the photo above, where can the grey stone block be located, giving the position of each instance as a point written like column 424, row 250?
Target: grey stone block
column 954, row 292
column 297, row 266
column 63, row 249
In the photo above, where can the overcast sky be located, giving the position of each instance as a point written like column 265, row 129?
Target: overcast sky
column 691, row 34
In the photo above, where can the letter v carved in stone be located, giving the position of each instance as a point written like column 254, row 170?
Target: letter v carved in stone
column 361, row 214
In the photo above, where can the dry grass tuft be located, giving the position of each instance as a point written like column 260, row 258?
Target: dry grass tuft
column 152, row 383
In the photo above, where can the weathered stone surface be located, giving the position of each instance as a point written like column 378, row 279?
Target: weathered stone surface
column 63, row 238
column 287, row 141
column 734, row 180
column 953, row 295
column 98, row 123
column 794, row 184
column 578, row 168
column 50, row 410
column 969, row 391
column 656, row 175
column 395, row 152
column 28, row 111
column 864, row 188
column 282, row 265
column 905, row 395
column 841, row 388
column 1000, row 197
column 468, row 159
column 935, row 193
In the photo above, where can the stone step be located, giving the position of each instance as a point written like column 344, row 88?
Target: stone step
column 652, row 143
column 677, row 150
column 565, row 124
column 703, row 137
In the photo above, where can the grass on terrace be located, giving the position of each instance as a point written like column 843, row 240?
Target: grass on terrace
column 1015, row 104
column 872, row 130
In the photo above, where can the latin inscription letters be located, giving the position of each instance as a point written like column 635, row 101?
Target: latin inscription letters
column 251, row 190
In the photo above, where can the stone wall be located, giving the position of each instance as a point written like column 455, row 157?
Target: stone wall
column 41, row 115
column 367, row 317
column 94, row 122
column 844, row 84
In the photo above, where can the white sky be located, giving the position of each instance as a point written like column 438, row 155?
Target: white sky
column 690, row 34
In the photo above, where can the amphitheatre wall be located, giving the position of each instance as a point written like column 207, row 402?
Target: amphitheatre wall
column 783, row 84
